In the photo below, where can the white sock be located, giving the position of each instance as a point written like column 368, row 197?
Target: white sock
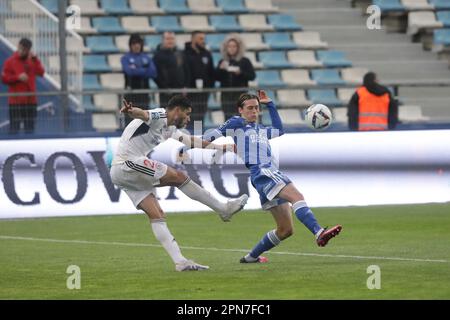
column 195, row 192
column 167, row 240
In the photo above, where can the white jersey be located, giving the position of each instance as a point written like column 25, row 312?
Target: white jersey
column 140, row 137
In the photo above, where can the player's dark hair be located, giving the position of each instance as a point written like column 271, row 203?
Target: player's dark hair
column 244, row 97
column 26, row 43
column 179, row 101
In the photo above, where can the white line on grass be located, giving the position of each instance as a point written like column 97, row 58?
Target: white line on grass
column 130, row 244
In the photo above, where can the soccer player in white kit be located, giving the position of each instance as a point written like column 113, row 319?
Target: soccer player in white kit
column 138, row 175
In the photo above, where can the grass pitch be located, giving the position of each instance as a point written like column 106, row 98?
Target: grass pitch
column 119, row 257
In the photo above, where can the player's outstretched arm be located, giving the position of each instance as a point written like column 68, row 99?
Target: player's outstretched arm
column 273, row 112
column 133, row 112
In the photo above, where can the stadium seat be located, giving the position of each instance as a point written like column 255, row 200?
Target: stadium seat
column 284, row 22
column 18, row 26
column 417, row 5
column 271, row 94
column 196, row 22
column 87, row 103
column 269, row 78
column 105, row 122
column 152, row 41
column 440, row 4
column 22, row 6
column 95, row 63
column 254, row 22
column 166, row 23
column 422, row 20
column 442, row 37
column 303, row 59
column 114, row 62
column 226, row 23
column 181, row 40
column 292, row 98
column 112, row 80
column 214, row 40
column 345, row 94
column 216, row 58
column 174, row 6
column 389, row 5
column 326, row 76
column 217, row 117
column 444, row 17
column 89, row 7
column 297, row 77
column 253, row 41
column 324, row 96
column 213, row 102
column 90, row 82
column 309, row 40
column 411, row 113
column 107, row 25
column 279, row 40
column 106, row 101
column 340, row 115
column 290, row 117
column 332, row 58
column 203, row 6
column 274, row 59
column 115, row 7
column 72, row 63
column 50, row 5
column 261, row 6
column 353, row 75
column 232, row 6
column 100, row 44
column 145, row 6
column 251, row 55
column 137, row 25
column 86, row 27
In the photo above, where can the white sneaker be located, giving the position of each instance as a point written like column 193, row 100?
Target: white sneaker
column 233, row 206
column 190, row 265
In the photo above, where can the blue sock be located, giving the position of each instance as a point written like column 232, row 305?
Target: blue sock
column 305, row 215
column 269, row 241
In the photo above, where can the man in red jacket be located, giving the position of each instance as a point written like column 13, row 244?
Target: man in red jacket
column 19, row 74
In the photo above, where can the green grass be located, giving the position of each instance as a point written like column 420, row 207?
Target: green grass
column 37, row 269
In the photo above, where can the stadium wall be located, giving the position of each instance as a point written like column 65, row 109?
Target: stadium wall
column 62, row 177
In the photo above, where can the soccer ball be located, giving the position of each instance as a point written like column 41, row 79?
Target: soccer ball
column 318, row 117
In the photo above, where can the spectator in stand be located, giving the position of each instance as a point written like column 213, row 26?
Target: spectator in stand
column 201, row 73
column 19, row 74
column 372, row 107
column 233, row 71
column 172, row 69
column 138, row 69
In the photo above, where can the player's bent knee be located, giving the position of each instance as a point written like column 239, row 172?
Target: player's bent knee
column 285, row 233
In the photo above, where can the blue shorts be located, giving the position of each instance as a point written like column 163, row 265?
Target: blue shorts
column 269, row 182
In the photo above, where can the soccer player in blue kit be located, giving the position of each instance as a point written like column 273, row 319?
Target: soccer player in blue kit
column 276, row 191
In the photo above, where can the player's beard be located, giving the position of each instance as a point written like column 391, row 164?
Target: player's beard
column 179, row 123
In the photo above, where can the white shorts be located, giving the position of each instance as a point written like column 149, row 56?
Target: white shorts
column 138, row 177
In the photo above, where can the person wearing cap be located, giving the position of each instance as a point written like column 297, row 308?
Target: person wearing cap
column 19, row 74
column 138, row 69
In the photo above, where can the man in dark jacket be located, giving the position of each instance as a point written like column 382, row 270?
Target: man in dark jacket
column 201, row 73
column 172, row 69
column 372, row 107
column 138, row 68
column 19, row 74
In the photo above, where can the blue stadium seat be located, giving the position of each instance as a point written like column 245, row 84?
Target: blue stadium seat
column 213, row 104
column 87, row 103
column 274, row 59
column 107, row 25
column 174, row 6
column 389, row 5
column 90, row 82
column 225, row 23
column 442, row 36
column 232, row 6
column 325, row 96
column 326, row 76
column 152, row 41
column 284, row 22
column 279, row 40
column 95, row 63
column 166, row 23
column 440, row 4
column 216, row 58
column 271, row 95
column 269, row 78
column 101, row 44
column 444, row 17
column 50, row 5
column 115, row 7
column 214, row 40
column 331, row 58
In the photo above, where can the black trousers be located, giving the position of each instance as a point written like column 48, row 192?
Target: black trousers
column 199, row 107
column 25, row 113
